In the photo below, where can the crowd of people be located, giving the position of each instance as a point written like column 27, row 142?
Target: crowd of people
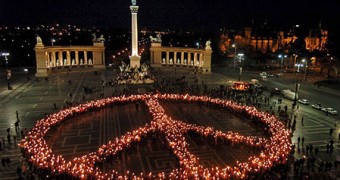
column 38, row 161
column 275, row 151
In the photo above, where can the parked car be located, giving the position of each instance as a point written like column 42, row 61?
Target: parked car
column 330, row 110
column 317, row 106
column 304, row 101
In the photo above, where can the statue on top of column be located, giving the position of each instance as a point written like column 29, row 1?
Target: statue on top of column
column 134, row 2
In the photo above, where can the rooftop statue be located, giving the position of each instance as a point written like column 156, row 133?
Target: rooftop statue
column 39, row 41
column 157, row 39
column 94, row 37
column 134, row 2
column 207, row 45
column 101, row 38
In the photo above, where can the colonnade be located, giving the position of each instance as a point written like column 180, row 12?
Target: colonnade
column 50, row 58
column 68, row 58
column 181, row 57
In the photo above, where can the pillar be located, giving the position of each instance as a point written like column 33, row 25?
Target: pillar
column 68, row 58
column 175, row 57
column 195, row 58
column 77, row 57
column 40, row 55
column 85, row 57
column 134, row 58
column 53, row 59
column 167, row 57
column 61, row 60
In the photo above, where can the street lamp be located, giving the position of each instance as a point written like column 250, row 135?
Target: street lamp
column 295, row 56
column 198, row 45
column 8, row 72
column 241, row 56
column 234, row 46
column 305, row 76
column 282, row 56
column 52, row 41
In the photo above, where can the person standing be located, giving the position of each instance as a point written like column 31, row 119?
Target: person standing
column 302, row 141
column 330, row 131
column 16, row 124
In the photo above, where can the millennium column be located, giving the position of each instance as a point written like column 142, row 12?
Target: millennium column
column 134, row 58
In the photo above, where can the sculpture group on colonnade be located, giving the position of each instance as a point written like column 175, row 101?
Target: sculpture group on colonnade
column 95, row 39
column 157, row 39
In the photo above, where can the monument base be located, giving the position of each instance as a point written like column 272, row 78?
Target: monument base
column 42, row 73
column 134, row 61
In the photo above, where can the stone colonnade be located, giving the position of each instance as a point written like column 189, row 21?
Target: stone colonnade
column 64, row 57
column 182, row 57
column 54, row 57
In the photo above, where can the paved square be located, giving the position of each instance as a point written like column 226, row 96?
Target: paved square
column 85, row 133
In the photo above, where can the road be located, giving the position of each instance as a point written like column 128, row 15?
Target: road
column 316, row 124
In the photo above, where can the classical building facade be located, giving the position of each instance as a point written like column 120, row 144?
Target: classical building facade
column 49, row 58
column 265, row 40
column 317, row 39
column 162, row 56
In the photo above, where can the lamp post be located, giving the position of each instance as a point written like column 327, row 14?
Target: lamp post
column 295, row 56
column 8, row 72
column 305, row 76
column 281, row 64
column 198, row 45
column 241, row 56
column 52, row 41
column 234, row 46
column 297, row 85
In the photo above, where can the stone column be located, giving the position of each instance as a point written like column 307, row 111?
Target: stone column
column 195, row 58
column 54, row 58
column 61, row 60
column 182, row 56
column 189, row 56
column 134, row 58
column 167, row 57
column 202, row 60
column 85, row 57
column 175, row 57
column 68, row 58
column 77, row 58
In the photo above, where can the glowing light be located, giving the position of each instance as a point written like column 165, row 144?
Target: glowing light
column 275, row 149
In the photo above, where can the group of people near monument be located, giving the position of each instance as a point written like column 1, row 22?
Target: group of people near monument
column 189, row 83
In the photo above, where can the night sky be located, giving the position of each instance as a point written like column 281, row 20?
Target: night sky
column 172, row 14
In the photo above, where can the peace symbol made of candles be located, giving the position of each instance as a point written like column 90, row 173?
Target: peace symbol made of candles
column 274, row 150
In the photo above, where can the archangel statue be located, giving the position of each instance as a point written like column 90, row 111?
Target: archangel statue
column 134, row 2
